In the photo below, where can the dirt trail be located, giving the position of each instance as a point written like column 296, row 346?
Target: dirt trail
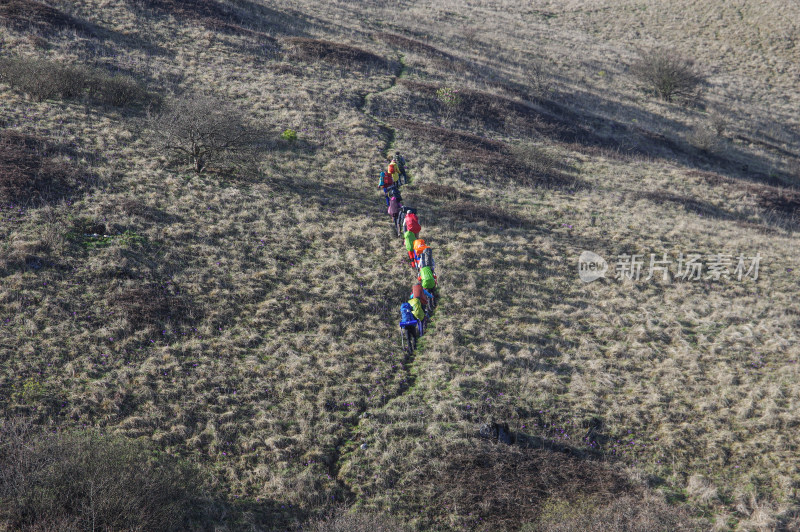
column 348, row 444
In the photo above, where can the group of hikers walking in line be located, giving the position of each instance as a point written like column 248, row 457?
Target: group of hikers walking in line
column 416, row 312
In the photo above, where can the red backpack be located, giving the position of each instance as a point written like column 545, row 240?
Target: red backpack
column 412, row 223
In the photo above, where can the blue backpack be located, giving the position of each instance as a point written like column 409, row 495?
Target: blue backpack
column 406, row 312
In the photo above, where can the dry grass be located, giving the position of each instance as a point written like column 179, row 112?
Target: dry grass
column 30, row 15
column 333, row 52
column 31, row 173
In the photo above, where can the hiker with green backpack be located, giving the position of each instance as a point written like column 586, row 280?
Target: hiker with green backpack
column 427, row 278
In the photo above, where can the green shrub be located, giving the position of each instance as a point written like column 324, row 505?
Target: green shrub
column 289, row 135
column 448, row 96
column 86, row 481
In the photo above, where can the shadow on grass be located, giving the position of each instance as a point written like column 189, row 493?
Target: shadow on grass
column 579, row 130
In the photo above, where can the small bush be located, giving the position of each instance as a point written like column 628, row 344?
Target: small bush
column 42, row 79
column 667, row 74
column 289, row 135
column 86, row 481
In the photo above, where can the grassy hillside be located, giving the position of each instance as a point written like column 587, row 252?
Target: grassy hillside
column 244, row 319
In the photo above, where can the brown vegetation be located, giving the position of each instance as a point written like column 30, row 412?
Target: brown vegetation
column 72, row 481
column 775, row 199
column 22, row 15
column 413, row 45
column 478, row 155
column 31, row 173
column 149, row 303
column 43, row 79
column 499, row 487
column 309, row 49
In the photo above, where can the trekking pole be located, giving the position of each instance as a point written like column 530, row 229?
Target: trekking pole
column 403, row 340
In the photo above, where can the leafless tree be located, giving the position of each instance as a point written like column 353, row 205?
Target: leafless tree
column 203, row 130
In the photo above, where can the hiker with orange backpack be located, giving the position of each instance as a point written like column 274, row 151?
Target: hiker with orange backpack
column 419, row 246
column 394, row 170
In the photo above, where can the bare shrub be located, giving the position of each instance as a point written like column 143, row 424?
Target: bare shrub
column 121, row 91
column 705, row 138
column 42, row 79
column 203, row 130
column 31, row 173
column 667, row 74
column 85, row 481
column 343, row 521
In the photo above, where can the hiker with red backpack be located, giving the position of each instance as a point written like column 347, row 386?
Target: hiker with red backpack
column 385, row 183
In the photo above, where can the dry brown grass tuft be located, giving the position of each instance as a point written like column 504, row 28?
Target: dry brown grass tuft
column 149, row 303
column 29, row 172
column 491, row 157
column 309, row 49
column 413, row 45
column 354, row 521
column 471, row 211
column 497, row 487
column 26, row 15
column 773, row 198
column 623, row 514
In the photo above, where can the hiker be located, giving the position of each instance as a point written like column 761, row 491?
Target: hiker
column 385, row 182
column 423, row 295
column 394, row 208
column 394, row 191
column 411, row 223
column 427, row 279
column 410, row 238
column 426, row 259
column 419, row 247
column 416, row 308
column 401, row 167
column 393, row 170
